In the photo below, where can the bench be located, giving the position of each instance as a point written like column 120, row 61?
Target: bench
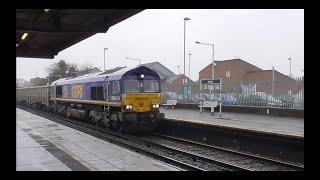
column 171, row 103
column 208, row 104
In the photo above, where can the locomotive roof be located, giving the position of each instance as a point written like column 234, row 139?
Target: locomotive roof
column 102, row 76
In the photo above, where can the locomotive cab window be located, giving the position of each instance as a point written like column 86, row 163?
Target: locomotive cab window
column 59, row 91
column 131, row 85
column 151, row 86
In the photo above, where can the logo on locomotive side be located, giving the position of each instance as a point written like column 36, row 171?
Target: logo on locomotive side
column 77, row 91
column 115, row 98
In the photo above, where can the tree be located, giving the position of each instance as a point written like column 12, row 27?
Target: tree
column 72, row 70
column 61, row 69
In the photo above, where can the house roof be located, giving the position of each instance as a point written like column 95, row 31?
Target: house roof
column 217, row 62
column 162, row 70
column 252, row 74
column 91, row 70
column 172, row 78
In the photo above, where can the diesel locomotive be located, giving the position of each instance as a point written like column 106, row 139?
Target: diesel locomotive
column 127, row 100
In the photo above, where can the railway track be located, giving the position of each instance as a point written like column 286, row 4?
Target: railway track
column 233, row 158
column 184, row 154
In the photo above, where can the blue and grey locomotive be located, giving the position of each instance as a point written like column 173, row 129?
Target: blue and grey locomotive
column 126, row 100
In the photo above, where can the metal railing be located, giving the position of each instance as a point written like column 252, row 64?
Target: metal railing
column 286, row 94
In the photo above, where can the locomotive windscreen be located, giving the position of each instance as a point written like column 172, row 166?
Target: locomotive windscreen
column 134, row 86
column 151, row 85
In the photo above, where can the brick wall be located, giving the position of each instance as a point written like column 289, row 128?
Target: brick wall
column 243, row 72
column 177, row 84
column 237, row 68
column 282, row 83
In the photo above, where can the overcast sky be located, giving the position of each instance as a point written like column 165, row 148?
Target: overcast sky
column 264, row 38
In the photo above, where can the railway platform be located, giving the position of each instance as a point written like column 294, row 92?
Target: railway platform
column 287, row 126
column 43, row 145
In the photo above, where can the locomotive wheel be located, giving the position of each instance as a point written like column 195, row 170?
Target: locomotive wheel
column 111, row 125
column 116, row 126
column 68, row 114
column 92, row 117
column 64, row 113
column 121, row 127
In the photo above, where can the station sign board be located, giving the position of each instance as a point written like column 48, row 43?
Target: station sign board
column 210, row 85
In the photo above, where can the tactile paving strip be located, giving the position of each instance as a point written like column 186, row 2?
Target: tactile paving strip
column 89, row 158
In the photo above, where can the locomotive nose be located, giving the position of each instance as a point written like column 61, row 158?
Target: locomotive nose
column 142, row 102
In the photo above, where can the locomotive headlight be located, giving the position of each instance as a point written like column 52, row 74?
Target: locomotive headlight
column 129, row 106
column 155, row 106
column 142, row 76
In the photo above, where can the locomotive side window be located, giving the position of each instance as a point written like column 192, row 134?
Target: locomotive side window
column 97, row 93
column 59, row 91
column 100, row 93
column 115, row 87
column 93, row 93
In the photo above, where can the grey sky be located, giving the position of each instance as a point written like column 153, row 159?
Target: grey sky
column 264, row 38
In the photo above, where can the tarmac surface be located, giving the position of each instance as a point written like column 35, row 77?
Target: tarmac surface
column 262, row 123
column 43, row 145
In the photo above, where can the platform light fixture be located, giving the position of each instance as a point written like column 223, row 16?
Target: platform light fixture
column 139, row 60
column 23, row 37
column 213, row 63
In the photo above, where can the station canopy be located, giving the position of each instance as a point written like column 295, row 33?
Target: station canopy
column 43, row 33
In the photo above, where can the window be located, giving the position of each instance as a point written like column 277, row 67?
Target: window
column 151, row 86
column 93, row 93
column 59, row 91
column 97, row 93
column 100, row 93
column 228, row 74
column 115, row 87
column 131, row 85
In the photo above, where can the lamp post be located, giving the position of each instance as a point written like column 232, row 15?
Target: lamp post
column 189, row 63
column 184, row 48
column 272, row 81
column 290, row 66
column 139, row 60
column 104, row 58
column 212, row 55
column 184, row 58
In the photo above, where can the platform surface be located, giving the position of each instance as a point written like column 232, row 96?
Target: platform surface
column 263, row 123
column 43, row 145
